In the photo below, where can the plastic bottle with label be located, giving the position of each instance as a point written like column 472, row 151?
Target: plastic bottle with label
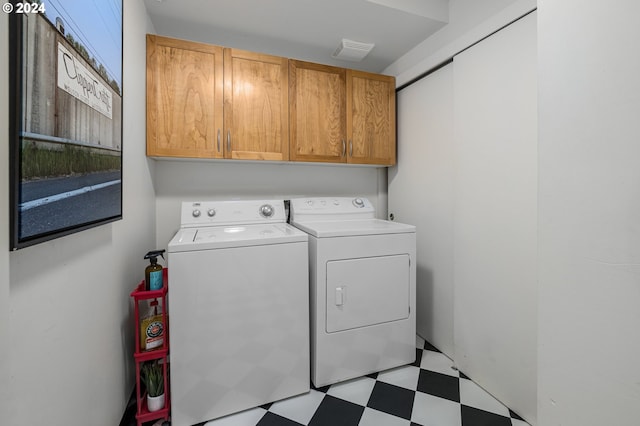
column 152, row 329
column 153, row 272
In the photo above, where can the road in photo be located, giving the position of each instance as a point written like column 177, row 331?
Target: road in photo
column 51, row 204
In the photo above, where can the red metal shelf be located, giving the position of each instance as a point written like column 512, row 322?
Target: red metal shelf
column 151, row 355
column 161, row 353
column 140, row 293
column 144, row 415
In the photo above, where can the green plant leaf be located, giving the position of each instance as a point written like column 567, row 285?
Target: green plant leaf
column 153, row 378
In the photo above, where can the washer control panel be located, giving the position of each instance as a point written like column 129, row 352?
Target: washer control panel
column 218, row 213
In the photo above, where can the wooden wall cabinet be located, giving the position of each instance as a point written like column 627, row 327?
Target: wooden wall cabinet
column 371, row 118
column 317, row 112
column 207, row 101
column 341, row 116
column 256, row 106
column 184, row 98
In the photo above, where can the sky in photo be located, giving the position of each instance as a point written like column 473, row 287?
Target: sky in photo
column 97, row 25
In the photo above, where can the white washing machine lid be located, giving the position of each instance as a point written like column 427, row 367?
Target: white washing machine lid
column 218, row 237
column 345, row 228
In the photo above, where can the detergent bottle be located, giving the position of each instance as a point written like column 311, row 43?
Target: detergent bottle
column 152, row 328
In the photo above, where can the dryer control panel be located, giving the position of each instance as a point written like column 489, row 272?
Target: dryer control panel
column 331, row 208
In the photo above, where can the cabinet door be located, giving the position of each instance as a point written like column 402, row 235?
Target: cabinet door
column 317, row 98
column 495, row 95
column 371, row 118
column 184, row 98
column 256, row 106
column 425, row 166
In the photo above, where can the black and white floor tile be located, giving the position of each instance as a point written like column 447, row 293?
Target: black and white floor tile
column 429, row 392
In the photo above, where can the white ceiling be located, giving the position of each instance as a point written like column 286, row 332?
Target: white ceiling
column 309, row 30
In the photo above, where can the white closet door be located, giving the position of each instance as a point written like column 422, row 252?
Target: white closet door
column 421, row 193
column 495, row 231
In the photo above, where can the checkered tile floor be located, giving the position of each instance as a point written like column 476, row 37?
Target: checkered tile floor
column 427, row 393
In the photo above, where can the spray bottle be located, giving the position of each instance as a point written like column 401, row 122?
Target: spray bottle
column 153, row 272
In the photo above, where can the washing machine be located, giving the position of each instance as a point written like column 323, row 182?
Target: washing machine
column 238, row 309
column 362, row 288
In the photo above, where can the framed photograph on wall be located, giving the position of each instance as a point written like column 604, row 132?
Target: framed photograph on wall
column 65, row 131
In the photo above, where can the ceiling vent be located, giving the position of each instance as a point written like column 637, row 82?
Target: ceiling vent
column 350, row 50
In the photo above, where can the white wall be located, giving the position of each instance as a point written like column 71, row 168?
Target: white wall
column 178, row 181
column 5, row 371
column 589, row 213
column 469, row 21
column 69, row 339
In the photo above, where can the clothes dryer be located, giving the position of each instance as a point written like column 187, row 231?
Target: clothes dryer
column 362, row 288
column 238, row 309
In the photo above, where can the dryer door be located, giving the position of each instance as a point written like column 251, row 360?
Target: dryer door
column 366, row 291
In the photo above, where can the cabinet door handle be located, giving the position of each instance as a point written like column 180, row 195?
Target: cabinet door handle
column 350, row 148
column 218, row 140
column 344, row 148
column 229, row 140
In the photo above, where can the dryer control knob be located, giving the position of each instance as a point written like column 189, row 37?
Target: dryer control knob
column 266, row 210
column 211, row 212
column 358, row 202
column 196, row 213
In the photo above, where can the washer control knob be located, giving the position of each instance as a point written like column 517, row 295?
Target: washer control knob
column 358, row 203
column 196, row 213
column 211, row 212
column 266, row 210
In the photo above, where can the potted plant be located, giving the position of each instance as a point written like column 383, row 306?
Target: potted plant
column 153, row 379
